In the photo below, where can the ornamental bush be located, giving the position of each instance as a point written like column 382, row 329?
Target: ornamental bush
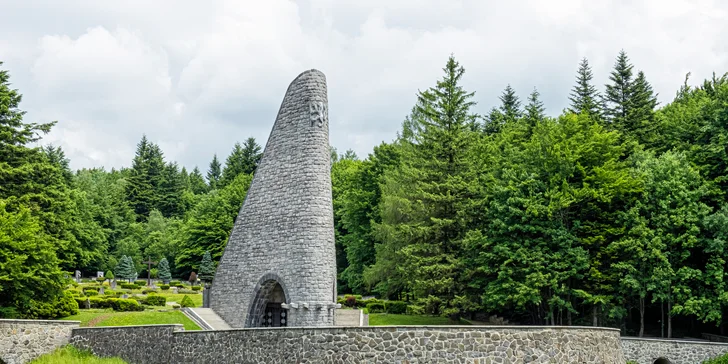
column 63, row 306
column 90, row 293
column 123, row 305
column 187, row 302
column 395, row 307
column 149, row 290
column 350, row 301
column 375, row 307
column 164, row 287
column 100, row 279
column 140, row 283
column 196, row 288
column 156, row 301
column 175, row 283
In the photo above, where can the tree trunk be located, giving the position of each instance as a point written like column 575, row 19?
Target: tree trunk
column 642, row 317
column 595, row 322
column 669, row 319
column 553, row 318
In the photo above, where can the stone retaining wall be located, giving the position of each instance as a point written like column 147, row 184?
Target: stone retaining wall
column 647, row 351
column 24, row 340
column 412, row 344
column 148, row 344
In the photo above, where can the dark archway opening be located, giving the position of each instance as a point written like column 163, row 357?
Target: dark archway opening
column 266, row 309
column 662, row 361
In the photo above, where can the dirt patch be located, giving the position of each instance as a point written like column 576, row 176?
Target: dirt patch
column 96, row 320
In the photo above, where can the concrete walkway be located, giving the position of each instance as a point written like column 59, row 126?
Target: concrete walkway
column 211, row 318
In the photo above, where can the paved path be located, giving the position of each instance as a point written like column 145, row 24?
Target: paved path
column 212, row 319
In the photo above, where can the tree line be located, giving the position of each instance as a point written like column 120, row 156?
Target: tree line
column 612, row 213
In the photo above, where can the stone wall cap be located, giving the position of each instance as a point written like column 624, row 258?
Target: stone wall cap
column 41, row 322
column 673, row 341
column 422, row 327
column 131, row 327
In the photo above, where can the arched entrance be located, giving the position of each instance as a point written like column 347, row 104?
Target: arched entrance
column 662, row 361
column 265, row 309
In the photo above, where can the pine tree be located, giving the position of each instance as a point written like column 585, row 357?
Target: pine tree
column 145, row 178
column 170, row 202
column 214, row 173
column 125, row 269
column 207, row 268
column 234, row 165
column 619, row 92
column 251, row 155
column 164, row 273
column 640, row 121
column 535, row 111
column 198, row 186
column 510, row 105
column 584, row 96
column 423, row 200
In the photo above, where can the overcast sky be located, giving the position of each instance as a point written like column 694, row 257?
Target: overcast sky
column 197, row 76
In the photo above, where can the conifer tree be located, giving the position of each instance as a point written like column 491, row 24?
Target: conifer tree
column 535, row 111
column 251, row 155
column 214, row 173
column 423, row 199
column 125, row 269
column 164, row 273
column 510, row 105
column 640, row 121
column 234, row 165
column 197, row 182
column 584, row 96
column 145, row 178
column 170, row 202
column 207, row 268
column 619, row 93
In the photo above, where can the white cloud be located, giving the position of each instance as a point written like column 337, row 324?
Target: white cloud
column 198, row 76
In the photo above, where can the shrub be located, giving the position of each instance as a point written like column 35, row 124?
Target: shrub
column 415, row 310
column 140, row 283
column 175, row 283
column 90, row 293
column 187, row 302
column 341, row 300
column 62, row 306
column 156, row 301
column 364, row 303
column 100, row 302
column 375, row 307
column 196, row 288
column 395, row 307
column 350, row 301
column 176, row 306
column 109, row 292
column 9, row 312
column 149, row 290
column 127, row 285
column 164, row 287
column 100, row 279
column 723, row 359
column 95, row 289
column 431, row 305
column 187, row 291
column 121, row 304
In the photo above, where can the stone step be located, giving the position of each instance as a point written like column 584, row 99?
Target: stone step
column 208, row 317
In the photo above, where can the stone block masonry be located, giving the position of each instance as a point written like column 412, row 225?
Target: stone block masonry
column 148, row 344
column 24, row 340
column 281, row 249
column 647, row 351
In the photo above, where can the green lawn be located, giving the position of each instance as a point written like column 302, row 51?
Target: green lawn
column 171, row 297
column 107, row 317
column 71, row 355
column 386, row 319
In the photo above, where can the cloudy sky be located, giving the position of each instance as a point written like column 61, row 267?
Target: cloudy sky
column 197, row 76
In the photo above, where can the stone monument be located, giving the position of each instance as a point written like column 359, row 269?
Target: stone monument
column 279, row 265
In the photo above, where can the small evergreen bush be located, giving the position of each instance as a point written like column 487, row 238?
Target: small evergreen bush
column 63, row 306
column 187, row 302
column 395, row 307
column 90, row 293
column 156, row 301
column 187, row 291
column 123, row 305
column 196, row 288
column 100, row 279
column 175, row 283
column 375, row 307
column 415, row 310
column 140, row 283
column 149, row 290
column 164, row 287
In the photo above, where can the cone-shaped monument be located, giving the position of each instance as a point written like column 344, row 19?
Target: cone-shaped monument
column 279, row 265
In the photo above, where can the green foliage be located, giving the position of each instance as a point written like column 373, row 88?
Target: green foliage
column 214, row 174
column 187, row 302
column 207, row 268
column 140, row 283
column 156, row 301
column 584, row 96
column 397, row 307
column 71, row 355
column 126, row 269
column 123, row 304
column 196, row 288
column 164, row 287
column 164, row 273
column 109, row 275
column 63, row 306
column 350, row 301
column 375, row 307
column 723, row 359
column 242, row 160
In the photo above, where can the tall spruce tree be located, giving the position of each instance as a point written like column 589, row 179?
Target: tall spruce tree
column 197, row 182
column 234, row 165
column 640, row 122
column 164, row 274
column 214, row 173
column 619, row 93
column 207, row 268
column 510, row 105
column 423, row 199
column 535, row 111
column 171, row 188
column 584, row 96
column 251, row 155
column 145, row 178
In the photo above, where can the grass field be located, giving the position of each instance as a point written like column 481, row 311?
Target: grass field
column 107, row 317
column 386, row 319
column 71, row 355
column 171, row 297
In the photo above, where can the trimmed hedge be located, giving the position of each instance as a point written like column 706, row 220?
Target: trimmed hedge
column 395, row 307
column 156, row 301
column 164, row 287
column 187, row 302
column 196, row 288
column 149, row 290
column 375, row 307
column 140, row 283
column 122, row 305
column 130, row 286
